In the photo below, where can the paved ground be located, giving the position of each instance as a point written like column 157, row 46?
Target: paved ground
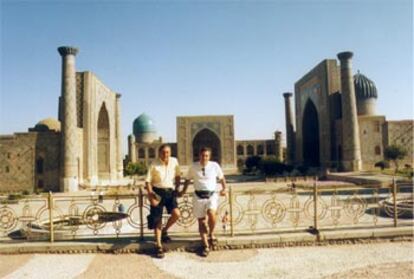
column 376, row 260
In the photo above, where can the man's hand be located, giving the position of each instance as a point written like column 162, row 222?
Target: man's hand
column 223, row 192
column 180, row 193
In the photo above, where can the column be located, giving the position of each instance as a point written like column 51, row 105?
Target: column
column 119, row 163
column 290, row 128
column 278, row 146
column 131, row 149
column 69, row 146
column 351, row 147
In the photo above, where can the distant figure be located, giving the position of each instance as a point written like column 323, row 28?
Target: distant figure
column 225, row 221
column 205, row 200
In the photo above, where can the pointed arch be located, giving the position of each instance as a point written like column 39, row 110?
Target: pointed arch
column 310, row 133
column 103, row 143
column 207, row 138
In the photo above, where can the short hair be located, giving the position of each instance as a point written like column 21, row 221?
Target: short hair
column 205, row 149
column 162, row 146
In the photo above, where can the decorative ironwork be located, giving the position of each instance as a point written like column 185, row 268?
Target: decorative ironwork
column 186, row 209
column 309, row 208
column 8, row 219
column 237, row 210
column 335, row 209
column 133, row 212
column 273, row 211
column 252, row 211
column 355, row 207
column 294, row 209
column 91, row 217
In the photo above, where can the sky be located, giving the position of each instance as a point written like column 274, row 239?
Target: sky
column 179, row 58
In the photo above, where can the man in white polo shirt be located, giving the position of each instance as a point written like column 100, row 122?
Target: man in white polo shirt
column 162, row 183
column 205, row 201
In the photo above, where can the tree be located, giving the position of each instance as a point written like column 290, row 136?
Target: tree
column 382, row 165
column 252, row 162
column 394, row 153
column 135, row 169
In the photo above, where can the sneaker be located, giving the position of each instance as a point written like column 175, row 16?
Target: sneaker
column 165, row 237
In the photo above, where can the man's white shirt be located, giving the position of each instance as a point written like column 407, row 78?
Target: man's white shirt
column 161, row 175
column 205, row 180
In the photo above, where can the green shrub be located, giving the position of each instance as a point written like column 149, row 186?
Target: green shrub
column 135, row 169
column 252, row 162
column 382, row 165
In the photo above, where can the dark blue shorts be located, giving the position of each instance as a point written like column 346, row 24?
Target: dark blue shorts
column 168, row 200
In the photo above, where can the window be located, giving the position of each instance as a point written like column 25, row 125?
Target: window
column 377, row 126
column 260, row 150
column 39, row 166
column 240, row 150
column 250, row 150
column 40, row 183
column 141, row 153
column 270, row 150
column 377, row 150
column 8, row 155
column 7, row 169
column 151, row 153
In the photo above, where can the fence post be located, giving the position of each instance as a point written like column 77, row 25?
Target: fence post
column 50, row 207
column 141, row 213
column 394, row 195
column 315, row 208
column 231, row 210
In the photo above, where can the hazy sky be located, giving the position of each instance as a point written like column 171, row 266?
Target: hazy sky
column 171, row 58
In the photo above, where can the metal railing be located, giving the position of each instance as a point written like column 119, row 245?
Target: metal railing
column 245, row 210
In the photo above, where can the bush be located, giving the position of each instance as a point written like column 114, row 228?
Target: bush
column 382, row 165
column 135, row 169
column 395, row 153
column 271, row 166
column 303, row 169
column 252, row 162
column 240, row 164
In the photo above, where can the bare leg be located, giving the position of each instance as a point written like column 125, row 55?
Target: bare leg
column 211, row 221
column 175, row 215
column 202, row 228
column 157, row 232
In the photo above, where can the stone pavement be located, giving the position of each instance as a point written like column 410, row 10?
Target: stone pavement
column 372, row 260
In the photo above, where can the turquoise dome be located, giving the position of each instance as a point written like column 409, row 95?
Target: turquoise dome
column 143, row 124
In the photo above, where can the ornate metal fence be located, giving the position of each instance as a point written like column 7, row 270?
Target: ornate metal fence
column 269, row 209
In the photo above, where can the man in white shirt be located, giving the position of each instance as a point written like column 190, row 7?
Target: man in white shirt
column 205, row 201
column 162, row 183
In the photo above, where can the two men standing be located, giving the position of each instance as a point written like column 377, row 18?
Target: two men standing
column 162, row 184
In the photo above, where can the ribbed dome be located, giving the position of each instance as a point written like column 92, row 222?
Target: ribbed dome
column 364, row 87
column 143, row 124
column 48, row 124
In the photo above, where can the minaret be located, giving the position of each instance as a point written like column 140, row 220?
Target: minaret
column 351, row 147
column 279, row 147
column 69, row 145
column 119, row 163
column 290, row 128
column 131, row 149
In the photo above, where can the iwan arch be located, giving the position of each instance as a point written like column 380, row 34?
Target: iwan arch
column 82, row 147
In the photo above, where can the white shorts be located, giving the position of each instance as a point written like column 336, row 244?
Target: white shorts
column 200, row 206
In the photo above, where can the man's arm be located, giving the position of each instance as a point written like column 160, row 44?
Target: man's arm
column 186, row 183
column 177, row 183
column 223, row 186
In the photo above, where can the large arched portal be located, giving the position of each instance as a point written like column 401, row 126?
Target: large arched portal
column 310, row 130
column 207, row 138
column 103, row 143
